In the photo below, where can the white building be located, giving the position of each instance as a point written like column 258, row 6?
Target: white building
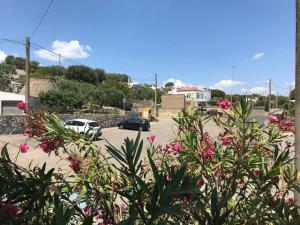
column 195, row 96
column 8, row 103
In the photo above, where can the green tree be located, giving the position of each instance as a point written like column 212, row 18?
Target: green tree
column 292, row 94
column 169, row 85
column 123, row 78
column 51, row 71
column 216, row 93
column 5, row 71
column 81, row 73
column 142, row 93
column 100, row 75
column 99, row 97
column 19, row 63
column 61, row 101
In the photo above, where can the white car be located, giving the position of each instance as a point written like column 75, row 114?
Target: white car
column 83, row 126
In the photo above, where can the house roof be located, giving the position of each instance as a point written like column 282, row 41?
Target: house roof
column 187, row 89
column 38, row 85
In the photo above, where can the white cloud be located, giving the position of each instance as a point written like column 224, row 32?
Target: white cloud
column 289, row 84
column 178, row 83
column 224, row 84
column 258, row 55
column 2, row 56
column 259, row 90
column 244, row 90
column 72, row 49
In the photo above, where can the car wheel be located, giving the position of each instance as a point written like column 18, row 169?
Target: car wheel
column 121, row 126
column 141, row 128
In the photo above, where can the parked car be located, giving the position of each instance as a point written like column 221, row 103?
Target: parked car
column 214, row 112
column 83, row 126
column 258, row 119
column 135, row 123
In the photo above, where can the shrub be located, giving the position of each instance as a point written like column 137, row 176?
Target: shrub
column 50, row 71
column 61, row 101
column 244, row 175
column 81, row 73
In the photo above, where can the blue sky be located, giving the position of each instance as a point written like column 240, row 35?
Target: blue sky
column 194, row 41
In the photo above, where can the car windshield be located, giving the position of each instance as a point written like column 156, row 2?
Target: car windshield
column 136, row 119
column 78, row 123
column 93, row 124
column 70, row 122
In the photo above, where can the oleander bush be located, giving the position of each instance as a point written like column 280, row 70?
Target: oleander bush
column 243, row 175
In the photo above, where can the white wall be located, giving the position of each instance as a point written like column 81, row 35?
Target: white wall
column 7, row 96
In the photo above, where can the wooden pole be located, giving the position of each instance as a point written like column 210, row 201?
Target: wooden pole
column 270, row 93
column 297, row 100
column 156, row 108
column 27, row 70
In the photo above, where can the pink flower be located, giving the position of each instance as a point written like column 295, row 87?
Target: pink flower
column 200, row 182
column 151, row 138
column 173, row 165
column 289, row 200
column 273, row 119
column 226, row 142
column 48, row 145
column 27, row 132
column 256, row 172
column 75, row 164
column 21, row 105
column 218, row 173
column 208, row 154
column 42, row 126
column 123, row 207
column 224, row 103
column 176, row 147
column 289, row 123
column 23, row 148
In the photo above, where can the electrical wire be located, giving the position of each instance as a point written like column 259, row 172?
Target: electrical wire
column 11, row 41
column 42, row 18
column 36, row 46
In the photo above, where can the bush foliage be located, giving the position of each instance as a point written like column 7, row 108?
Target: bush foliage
column 244, row 175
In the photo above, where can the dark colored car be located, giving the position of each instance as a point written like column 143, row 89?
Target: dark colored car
column 134, row 124
column 214, row 112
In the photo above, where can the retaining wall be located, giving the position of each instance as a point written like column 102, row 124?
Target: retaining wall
column 9, row 123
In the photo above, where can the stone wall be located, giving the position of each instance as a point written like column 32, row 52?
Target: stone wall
column 9, row 123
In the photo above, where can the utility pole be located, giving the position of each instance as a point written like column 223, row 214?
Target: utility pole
column 290, row 98
column 27, row 70
column 276, row 100
column 270, row 93
column 59, row 59
column 156, row 109
column 232, row 69
column 297, row 101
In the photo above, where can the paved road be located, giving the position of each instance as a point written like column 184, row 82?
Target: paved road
column 164, row 130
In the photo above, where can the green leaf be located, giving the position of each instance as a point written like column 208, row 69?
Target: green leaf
column 130, row 220
column 155, row 172
column 4, row 153
column 214, row 202
column 88, row 221
column 174, row 210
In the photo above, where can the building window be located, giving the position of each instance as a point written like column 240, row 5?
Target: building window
column 200, row 96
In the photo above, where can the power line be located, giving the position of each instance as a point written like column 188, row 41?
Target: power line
column 36, row 46
column 11, row 41
column 43, row 17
